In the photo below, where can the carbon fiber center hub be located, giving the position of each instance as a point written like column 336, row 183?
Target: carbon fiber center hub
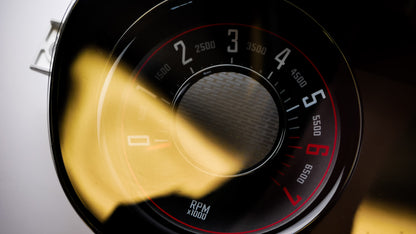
column 212, row 101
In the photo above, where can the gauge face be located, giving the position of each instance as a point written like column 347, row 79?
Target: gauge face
column 210, row 118
column 250, row 97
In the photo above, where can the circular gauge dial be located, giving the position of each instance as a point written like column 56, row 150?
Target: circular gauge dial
column 218, row 119
column 280, row 126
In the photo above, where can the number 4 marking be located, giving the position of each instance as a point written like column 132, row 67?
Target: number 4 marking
column 291, row 199
column 281, row 57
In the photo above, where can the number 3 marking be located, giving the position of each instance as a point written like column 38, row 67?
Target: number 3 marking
column 234, row 47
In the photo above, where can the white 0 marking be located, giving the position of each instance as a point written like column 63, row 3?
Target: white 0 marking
column 138, row 140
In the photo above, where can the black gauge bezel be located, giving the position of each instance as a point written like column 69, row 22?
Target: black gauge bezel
column 77, row 32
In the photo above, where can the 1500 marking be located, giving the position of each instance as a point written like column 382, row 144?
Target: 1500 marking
column 163, row 71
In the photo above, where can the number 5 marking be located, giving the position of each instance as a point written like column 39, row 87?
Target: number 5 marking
column 314, row 100
column 293, row 201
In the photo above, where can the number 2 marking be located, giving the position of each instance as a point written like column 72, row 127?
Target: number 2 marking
column 182, row 45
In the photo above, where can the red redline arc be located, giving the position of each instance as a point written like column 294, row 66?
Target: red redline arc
column 290, row 146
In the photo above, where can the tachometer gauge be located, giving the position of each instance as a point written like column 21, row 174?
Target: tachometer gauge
column 202, row 117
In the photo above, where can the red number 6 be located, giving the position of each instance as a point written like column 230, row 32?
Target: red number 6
column 313, row 149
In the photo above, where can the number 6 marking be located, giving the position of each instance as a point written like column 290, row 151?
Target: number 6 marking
column 313, row 149
column 293, row 201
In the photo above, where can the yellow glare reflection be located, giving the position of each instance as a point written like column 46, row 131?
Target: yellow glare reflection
column 383, row 218
column 117, row 144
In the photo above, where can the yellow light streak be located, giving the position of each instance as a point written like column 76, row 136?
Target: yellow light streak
column 103, row 110
column 374, row 217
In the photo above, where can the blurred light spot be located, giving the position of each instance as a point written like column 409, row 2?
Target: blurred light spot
column 374, row 217
column 116, row 144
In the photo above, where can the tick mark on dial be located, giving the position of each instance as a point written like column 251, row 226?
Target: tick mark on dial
column 176, row 7
column 140, row 88
column 289, row 155
column 275, row 181
column 161, row 140
column 294, row 118
column 159, row 146
column 292, row 108
column 270, row 75
column 165, row 101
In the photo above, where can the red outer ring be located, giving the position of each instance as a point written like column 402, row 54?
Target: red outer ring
column 333, row 109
